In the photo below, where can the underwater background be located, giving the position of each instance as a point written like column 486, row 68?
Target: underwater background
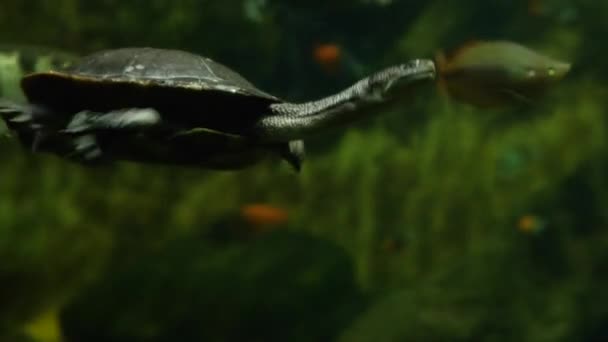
column 437, row 221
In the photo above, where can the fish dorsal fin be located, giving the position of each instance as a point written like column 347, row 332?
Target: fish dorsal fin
column 444, row 60
column 464, row 47
column 458, row 55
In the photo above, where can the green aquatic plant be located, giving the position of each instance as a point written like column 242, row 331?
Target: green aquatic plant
column 299, row 296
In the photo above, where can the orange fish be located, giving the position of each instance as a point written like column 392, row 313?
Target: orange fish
column 497, row 73
column 536, row 8
column 328, row 56
column 530, row 224
column 263, row 217
column 247, row 222
column 393, row 245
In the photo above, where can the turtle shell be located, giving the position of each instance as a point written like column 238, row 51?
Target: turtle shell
column 187, row 89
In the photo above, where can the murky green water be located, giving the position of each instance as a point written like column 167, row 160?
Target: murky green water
column 432, row 220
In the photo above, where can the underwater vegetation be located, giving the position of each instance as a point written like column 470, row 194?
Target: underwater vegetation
column 201, row 292
column 440, row 220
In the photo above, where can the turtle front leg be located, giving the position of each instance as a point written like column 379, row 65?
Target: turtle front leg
column 84, row 126
column 117, row 120
column 293, row 152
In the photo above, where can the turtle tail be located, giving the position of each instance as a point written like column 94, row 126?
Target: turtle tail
column 24, row 121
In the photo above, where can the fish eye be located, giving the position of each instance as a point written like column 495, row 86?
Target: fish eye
column 551, row 71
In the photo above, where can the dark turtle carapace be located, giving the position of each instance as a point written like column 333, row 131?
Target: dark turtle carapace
column 175, row 107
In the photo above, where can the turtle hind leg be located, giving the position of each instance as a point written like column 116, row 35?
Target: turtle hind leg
column 16, row 116
column 26, row 121
column 22, row 120
column 124, row 119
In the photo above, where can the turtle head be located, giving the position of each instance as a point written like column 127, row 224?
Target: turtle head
column 294, row 121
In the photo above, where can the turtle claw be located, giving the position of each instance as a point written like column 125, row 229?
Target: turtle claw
column 15, row 114
column 86, row 149
column 294, row 154
column 79, row 123
column 21, row 118
column 39, row 138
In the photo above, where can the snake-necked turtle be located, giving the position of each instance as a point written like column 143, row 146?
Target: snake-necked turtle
column 169, row 106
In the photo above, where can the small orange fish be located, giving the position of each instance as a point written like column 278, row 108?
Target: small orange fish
column 497, row 73
column 248, row 222
column 263, row 217
column 536, row 8
column 530, row 224
column 328, row 56
column 393, row 245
